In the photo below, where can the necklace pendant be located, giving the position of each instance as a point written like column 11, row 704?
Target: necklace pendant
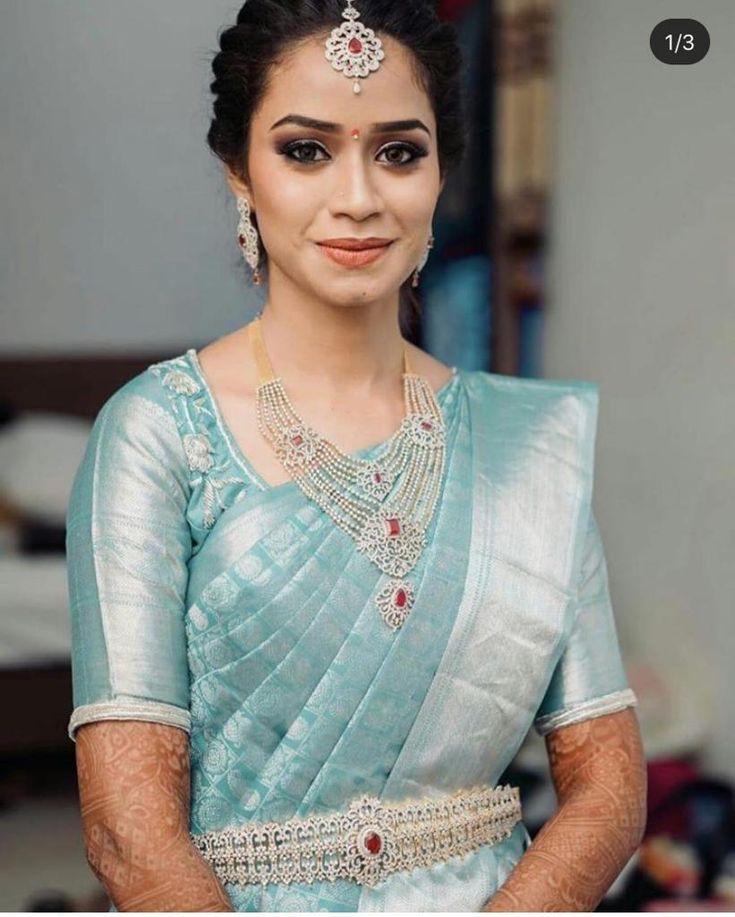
column 391, row 542
column 424, row 431
column 297, row 446
column 376, row 482
column 394, row 602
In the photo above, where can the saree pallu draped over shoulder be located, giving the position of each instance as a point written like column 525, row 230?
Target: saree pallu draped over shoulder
column 300, row 698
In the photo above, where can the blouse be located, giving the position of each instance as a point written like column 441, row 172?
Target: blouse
column 206, row 599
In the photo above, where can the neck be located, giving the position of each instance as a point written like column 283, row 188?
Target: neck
column 354, row 350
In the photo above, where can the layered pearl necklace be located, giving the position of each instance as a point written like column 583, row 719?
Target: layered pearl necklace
column 384, row 504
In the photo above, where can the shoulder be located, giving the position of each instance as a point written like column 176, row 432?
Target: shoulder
column 433, row 370
column 482, row 381
column 486, row 385
column 556, row 416
column 142, row 413
column 140, row 397
column 157, row 384
column 529, row 393
column 134, row 448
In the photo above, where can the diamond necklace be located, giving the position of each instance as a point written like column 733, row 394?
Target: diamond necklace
column 385, row 504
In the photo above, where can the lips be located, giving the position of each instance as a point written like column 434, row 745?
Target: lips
column 353, row 253
column 356, row 244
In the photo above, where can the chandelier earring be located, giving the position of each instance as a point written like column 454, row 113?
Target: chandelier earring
column 423, row 261
column 247, row 237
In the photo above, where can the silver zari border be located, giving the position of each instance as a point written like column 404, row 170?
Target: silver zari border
column 599, row 706
column 148, row 711
column 403, row 836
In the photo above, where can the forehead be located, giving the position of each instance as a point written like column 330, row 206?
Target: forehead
column 306, row 83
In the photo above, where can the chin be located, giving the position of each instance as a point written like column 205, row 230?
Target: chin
column 363, row 294
column 358, row 290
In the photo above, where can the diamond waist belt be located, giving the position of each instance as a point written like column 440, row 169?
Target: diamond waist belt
column 364, row 843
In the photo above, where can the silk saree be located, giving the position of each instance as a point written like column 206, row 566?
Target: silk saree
column 204, row 598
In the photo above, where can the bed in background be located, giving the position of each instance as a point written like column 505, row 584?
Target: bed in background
column 57, row 398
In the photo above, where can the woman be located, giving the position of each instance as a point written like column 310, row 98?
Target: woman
column 324, row 575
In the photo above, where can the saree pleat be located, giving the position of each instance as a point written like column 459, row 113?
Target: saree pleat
column 300, row 698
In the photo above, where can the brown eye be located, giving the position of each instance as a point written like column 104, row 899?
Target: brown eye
column 302, row 151
column 396, row 150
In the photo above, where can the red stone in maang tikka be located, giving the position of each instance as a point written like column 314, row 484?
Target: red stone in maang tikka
column 354, row 49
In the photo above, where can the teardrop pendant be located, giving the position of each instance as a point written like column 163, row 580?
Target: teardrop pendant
column 395, row 601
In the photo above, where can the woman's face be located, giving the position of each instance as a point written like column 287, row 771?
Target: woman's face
column 313, row 182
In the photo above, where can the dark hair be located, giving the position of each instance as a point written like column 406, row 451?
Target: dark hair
column 265, row 32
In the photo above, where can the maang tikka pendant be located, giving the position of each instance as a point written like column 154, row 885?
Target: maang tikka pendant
column 353, row 48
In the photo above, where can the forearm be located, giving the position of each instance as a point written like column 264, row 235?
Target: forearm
column 134, row 792
column 175, row 879
column 572, row 861
column 599, row 772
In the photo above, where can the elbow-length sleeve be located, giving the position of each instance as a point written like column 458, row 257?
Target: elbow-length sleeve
column 128, row 545
column 589, row 679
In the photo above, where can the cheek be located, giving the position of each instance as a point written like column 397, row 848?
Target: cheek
column 283, row 195
column 286, row 200
column 412, row 201
column 285, row 214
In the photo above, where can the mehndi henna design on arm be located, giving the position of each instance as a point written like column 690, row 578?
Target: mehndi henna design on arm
column 599, row 772
column 134, row 787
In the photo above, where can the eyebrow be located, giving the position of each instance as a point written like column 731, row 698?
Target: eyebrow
column 329, row 127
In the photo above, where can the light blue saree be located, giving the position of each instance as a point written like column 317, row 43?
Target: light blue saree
column 203, row 598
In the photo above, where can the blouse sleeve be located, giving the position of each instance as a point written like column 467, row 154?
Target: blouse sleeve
column 128, row 544
column 589, row 679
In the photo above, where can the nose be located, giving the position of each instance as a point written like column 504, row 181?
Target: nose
column 355, row 193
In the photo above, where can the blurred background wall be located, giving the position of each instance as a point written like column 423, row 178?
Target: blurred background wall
column 641, row 294
column 113, row 209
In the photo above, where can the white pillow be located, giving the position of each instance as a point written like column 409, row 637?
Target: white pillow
column 39, row 456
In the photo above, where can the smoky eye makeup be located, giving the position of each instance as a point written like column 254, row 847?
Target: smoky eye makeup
column 400, row 153
column 303, row 152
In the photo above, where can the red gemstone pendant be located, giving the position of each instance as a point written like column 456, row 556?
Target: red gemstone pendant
column 373, row 842
column 394, row 527
column 297, row 440
column 425, row 425
column 394, row 602
column 354, row 46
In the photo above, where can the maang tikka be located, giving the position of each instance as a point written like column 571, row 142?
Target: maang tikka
column 353, row 48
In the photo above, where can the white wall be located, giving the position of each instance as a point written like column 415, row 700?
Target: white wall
column 641, row 301
column 116, row 226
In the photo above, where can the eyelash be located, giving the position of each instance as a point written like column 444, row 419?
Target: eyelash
column 288, row 148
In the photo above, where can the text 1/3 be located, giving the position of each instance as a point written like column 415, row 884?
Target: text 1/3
column 679, row 41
